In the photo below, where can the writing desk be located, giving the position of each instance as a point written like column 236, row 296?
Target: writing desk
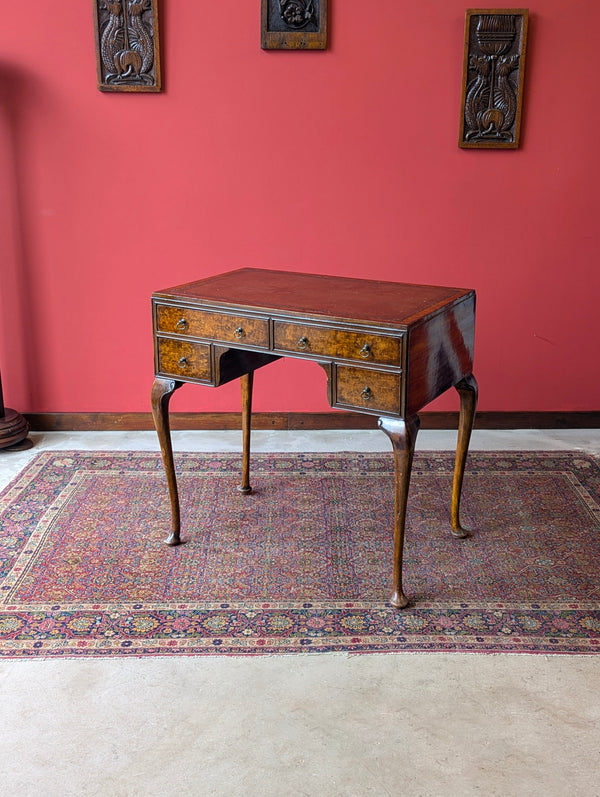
column 388, row 350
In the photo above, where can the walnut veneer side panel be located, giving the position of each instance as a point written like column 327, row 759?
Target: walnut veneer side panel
column 440, row 353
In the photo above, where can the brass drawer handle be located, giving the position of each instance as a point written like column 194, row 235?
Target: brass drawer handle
column 181, row 324
column 182, row 363
column 365, row 352
column 239, row 333
column 303, row 343
column 367, row 394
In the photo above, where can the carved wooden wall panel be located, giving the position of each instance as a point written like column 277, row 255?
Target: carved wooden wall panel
column 127, row 45
column 493, row 72
column 294, row 24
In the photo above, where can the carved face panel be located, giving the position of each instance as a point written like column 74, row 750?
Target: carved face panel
column 297, row 13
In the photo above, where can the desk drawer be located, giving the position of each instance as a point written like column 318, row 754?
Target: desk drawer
column 368, row 390
column 336, row 343
column 183, row 359
column 214, row 326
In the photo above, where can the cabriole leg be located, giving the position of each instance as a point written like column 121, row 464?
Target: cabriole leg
column 467, row 390
column 403, row 434
column 162, row 390
column 247, row 383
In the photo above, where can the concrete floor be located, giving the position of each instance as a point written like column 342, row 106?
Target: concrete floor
column 402, row 724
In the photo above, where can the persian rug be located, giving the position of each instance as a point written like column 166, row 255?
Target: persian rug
column 304, row 563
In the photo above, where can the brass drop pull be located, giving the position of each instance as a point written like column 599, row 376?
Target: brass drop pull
column 367, row 394
column 303, row 343
column 182, row 363
column 181, row 324
column 365, row 351
column 238, row 333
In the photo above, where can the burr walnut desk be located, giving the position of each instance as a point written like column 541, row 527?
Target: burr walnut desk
column 388, row 350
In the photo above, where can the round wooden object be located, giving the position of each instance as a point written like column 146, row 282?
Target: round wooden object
column 13, row 431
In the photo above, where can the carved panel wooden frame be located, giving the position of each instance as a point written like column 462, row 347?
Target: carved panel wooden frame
column 493, row 73
column 293, row 25
column 127, row 45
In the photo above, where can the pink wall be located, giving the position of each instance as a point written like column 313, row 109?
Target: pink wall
column 344, row 161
